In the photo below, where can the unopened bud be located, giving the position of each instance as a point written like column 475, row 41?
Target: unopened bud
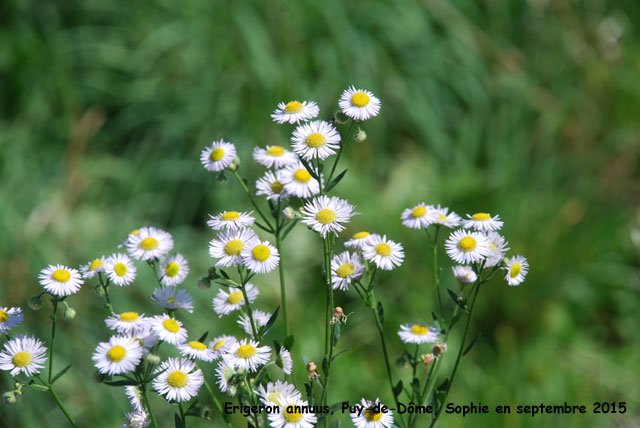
column 204, row 284
column 289, row 213
column 360, row 136
column 341, row 118
column 69, row 313
column 9, row 397
column 222, row 178
column 35, row 303
column 153, row 359
column 99, row 290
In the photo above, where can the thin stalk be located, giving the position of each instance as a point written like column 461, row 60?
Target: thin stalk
column 283, row 290
column 216, row 402
column 58, row 402
column 459, row 357
column 328, row 294
column 182, row 415
column 436, row 273
column 253, row 202
column 415, row 360
column 249, row 312
column 148, row 404
column 53, row 337
column 342, row 146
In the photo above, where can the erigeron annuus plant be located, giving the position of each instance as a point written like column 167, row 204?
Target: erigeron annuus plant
column 156, row 353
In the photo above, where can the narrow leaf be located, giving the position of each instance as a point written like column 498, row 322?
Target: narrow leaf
column 263, row 330
column 60, row 374
column 473, row 342
column 397, row 390
column 203, row 337
column 335, row 181
column 178, row 421
column 288, row 342
column 120, row 383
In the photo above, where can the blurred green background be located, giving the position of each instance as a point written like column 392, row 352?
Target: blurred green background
column 528, row 109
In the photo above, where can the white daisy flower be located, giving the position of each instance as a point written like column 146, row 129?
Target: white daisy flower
column 372, row 417
column 173, row 270
column 359, row 104
column 284, row 360
column 386, row 254
column 173, row 298
column 117, row 356
column 150, row 243
column 120, row 269
column 136, row 419
column 295, row 111
column 274, row 156
column 168, row 329
column 92, row 268
column 443, row 217
column 221, row 344
column 418, row 333
column 60, row 280
column 23, row 354
column 228, row 246
column 129, row 323
column 327, row 214
column 358, row 240
column 225, row 373
column 517, row 268
column 246, row 354
column 345, row 268
column 298, row 181
column 135, row 397
column 10, row 318
column 464, row 246
column 497, row 248
column 274, row 393
column 195, row 349
column 464, row 274
column 231, row 220
column 317, row 139
column 129, row 236
column 146, row 338
column 292, row 414
column 422, row 215
column 177, row 380
column 218, row 156
column 271, row 186
column 226, row 302
column 482, row 222
column 260, row 256
column 260, row 318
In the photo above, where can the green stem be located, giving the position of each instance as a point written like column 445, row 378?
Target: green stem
column 216, row 402
column 328, row 294
column 283, row 290
column 342, row 146
column 415, row 360
column 148, row 404
column 253, row 202
column 249, row 312
column 459, row 357
column 182, row 415
column 436, row 272
column 58, row 402
column 53, row 337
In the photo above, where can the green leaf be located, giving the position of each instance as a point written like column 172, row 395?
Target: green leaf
column 473, row 342
column 60, row 374
column 289, row 228
column 309, row 168
column 178, row 421
column 339, row 353
column 397, row 390
column 264, row 329
column 203, row 337
column 288, row 342
column 381, row 313
column 325, row 366
column 263, row 227
column 39, row 387
column 125, row 382
column 336, row 333
column 224, row 274
column 335, row 181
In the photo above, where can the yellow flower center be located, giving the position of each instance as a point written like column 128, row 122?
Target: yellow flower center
column 276, row 186
column 442, row 218
column 21, row 359
column 275, row 151
column 3, row 316
column 515, row 270
column 302, row 175
column 293, row 107
column 172, row 269
column 371, row 415
column 360, row 99
column 61, row 275
column 481, row 216
column 171, row 325
column 120, row 269
column 233, row 247
column 467, row 244
column 135, row 232
column 273, row 397
column 246, row 351
column 117, row 353
column 292, row 414
column 230, row 215
column 419, row 329
column 326, row 216
column 149, row 244
column 217, row 154
column 96, row 264
column 177, row 379
column 419, row 212
column 171, row 300
column 199, row 346
column 315, row 140
column 345, row 270
column 361, row 235
column 383, row 249
column 129, row 316
column 261, row 252
column 235, row 297
column 219, row 344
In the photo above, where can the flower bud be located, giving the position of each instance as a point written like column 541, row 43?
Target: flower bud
column 99, row 290
column 69, row 313
column 222, row 178
column 9, row 397
column 153, row 359
column 289, row 213
column 35, row 303
column 204, row 284
column 341, row 118
column 360, row 136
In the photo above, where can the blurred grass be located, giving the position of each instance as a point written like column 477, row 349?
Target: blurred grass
column 524, row 108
